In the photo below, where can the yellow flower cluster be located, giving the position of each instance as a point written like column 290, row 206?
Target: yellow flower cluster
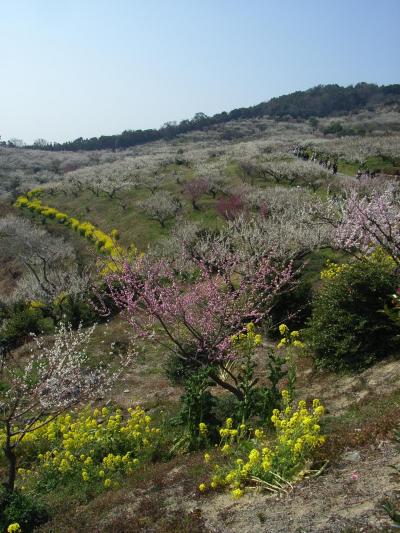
column 36, row 304
column 247, row 340
column 289, row 338
column 250, row 457
column 14, row 528
column 203, row 429
column 97, row 446
column 378, row 256
column 381, row 257
column 332, row 269
column 105, row 243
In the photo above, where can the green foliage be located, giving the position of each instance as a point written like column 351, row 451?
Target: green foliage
column 75, row 310
column 336, row 128
column 292, row 307
column 27, row 511
column 261, row 400
column 196, row 409
column 252, row 399
column 348, row 328
column 178, row 370
column 392, row 513
column 393, row 311
column 258, row 400
column 19, row 321
column 391, row 509
column 89, row 451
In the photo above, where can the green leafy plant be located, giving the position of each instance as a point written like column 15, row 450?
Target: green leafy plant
column 197, row 405
column 348, row 329
column 17, row 508
column 246, row 457
column 392, row 510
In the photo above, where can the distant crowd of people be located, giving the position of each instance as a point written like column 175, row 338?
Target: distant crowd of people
column 325, row 160
column 365, row 173
column 329, row 162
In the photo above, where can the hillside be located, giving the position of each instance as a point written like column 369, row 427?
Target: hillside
column 241, row 280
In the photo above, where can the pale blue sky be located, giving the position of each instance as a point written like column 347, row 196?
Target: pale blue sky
column 74, row 68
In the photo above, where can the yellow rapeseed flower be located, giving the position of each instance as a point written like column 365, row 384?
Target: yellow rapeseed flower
column 283, row 329
column 14, row 528
column 237, row 493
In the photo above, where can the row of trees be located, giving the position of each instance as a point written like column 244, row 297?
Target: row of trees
column 320, row 101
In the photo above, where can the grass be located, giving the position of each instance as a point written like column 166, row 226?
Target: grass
column 143, row 503
column 133, row 225
column 376, row 163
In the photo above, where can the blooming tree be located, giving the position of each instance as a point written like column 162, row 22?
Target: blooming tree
column 152, row 182
column 367, row 222
column 195, row 321
column 49, row 263
column 161, row 206
column 231, row 207
column 194, row 190
column 50, row 380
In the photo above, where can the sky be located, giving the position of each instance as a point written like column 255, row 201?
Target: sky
column 84, row 68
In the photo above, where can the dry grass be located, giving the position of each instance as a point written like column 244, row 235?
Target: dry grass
column 142, row 505
column 368, row 423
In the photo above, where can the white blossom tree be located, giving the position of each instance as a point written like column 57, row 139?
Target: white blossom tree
column 50, row 380
column 49, row 263
column 161, row 206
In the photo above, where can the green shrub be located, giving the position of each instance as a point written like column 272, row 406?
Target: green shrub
column 348, row 328
column 29, row 513
column 75, row 310
column 196, row 410
column 19, row 321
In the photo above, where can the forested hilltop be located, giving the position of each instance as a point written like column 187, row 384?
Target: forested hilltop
column 320, row 101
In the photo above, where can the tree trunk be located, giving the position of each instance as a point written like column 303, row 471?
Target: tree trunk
column 12, row 462
column 227, row 386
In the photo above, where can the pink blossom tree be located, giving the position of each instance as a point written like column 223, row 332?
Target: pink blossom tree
column 367, row 222
column 195, row 320
column 231, row 207
column 37, row 388
column 194, row 190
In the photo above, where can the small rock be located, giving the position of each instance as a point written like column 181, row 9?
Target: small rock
column 126, row 391
column 352, row 457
